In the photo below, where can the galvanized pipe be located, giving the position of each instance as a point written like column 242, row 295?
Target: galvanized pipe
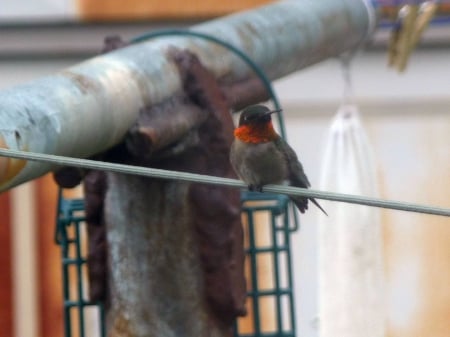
column 87, row 108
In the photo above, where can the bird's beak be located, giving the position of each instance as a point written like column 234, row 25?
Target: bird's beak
column 273, row 111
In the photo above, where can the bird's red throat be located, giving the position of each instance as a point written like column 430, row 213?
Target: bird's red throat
column 256, row 133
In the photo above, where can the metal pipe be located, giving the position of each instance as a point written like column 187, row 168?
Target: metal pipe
column 87, row 108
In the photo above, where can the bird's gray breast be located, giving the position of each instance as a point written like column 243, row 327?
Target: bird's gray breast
column 258, row 164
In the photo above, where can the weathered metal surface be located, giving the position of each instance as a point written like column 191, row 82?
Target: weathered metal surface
column 188, row 279
column 87, row 108
column 174, row 250
column 95, row 187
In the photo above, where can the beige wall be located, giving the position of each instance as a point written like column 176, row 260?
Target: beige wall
column 407, row 118
column 413, row 157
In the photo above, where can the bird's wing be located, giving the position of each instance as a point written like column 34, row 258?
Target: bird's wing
column 297, row 176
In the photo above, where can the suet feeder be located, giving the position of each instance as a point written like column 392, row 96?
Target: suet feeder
column 270, row 252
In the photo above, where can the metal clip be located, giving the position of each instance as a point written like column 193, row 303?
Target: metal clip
column 426, row 13
column 411, row 22
column 393, row 42
column 408, row 14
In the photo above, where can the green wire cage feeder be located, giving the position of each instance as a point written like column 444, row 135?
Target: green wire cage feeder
column 273, row 256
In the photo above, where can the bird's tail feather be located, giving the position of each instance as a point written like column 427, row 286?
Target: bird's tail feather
column 302, row 204
column 314, row 201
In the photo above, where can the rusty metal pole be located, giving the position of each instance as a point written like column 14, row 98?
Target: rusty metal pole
column 87, row 108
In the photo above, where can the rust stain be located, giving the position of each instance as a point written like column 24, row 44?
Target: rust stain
column 423, row 239
column 121, row 327
column 433, row 242
column 84, row 83
column 435, row 248
column 9, row 167
column 217, row 217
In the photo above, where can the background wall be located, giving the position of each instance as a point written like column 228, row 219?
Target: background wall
column 407, row 118
column 408, row 121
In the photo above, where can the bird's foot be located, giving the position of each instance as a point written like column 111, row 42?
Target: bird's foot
column 255, row 188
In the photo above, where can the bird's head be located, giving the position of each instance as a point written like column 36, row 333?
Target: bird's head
column 255, row 125
column 256, row 114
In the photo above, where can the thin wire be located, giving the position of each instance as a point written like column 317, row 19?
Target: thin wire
column 199, row 178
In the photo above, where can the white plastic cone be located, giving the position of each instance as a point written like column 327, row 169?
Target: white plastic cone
column 350, row 242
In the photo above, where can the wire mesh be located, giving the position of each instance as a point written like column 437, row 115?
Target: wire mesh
column 70, row 224
column 267, row 301
column 267, row 220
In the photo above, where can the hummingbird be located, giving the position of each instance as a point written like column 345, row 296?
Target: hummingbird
column 260, row 156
